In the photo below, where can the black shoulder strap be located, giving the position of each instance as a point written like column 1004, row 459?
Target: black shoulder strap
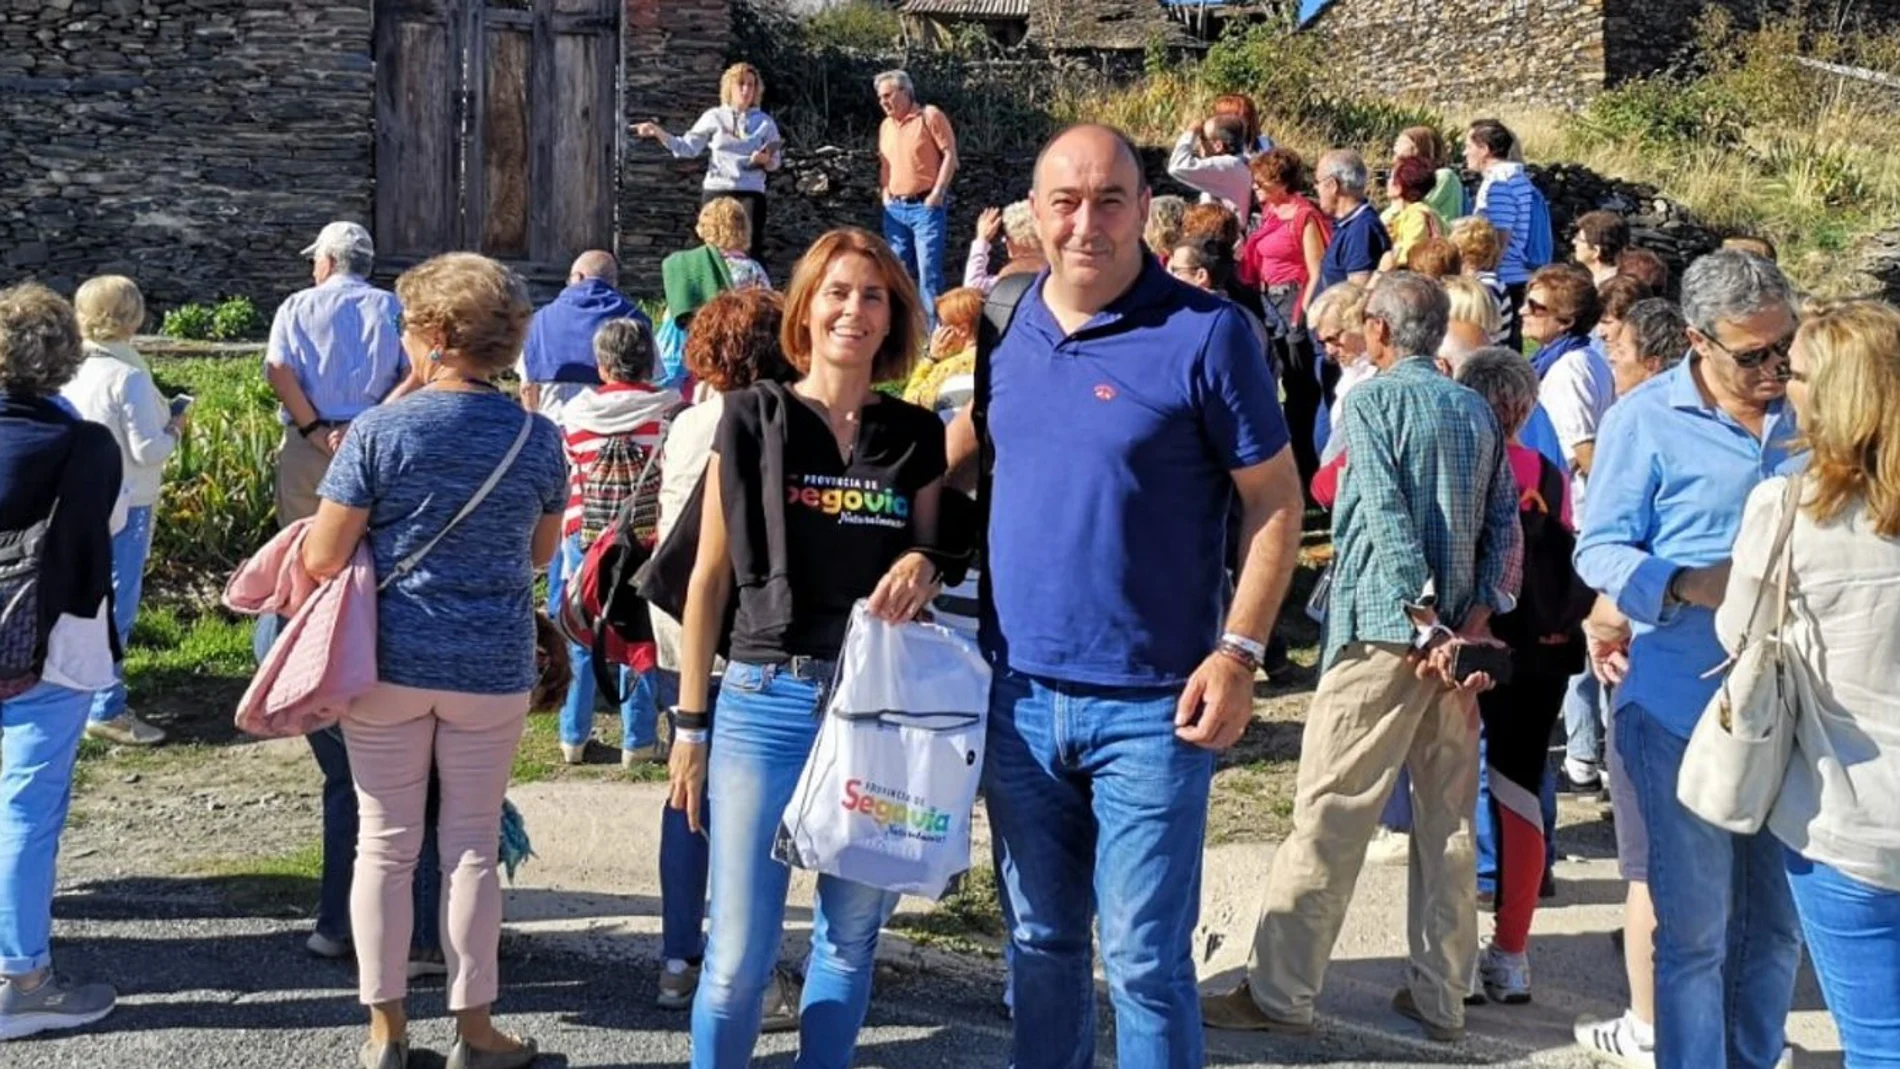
column 999, row 311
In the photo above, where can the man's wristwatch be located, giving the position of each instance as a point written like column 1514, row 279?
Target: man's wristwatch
column 685, row 721
column 310, row 428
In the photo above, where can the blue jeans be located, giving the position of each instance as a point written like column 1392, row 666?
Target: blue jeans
column 763, row 729
column 39, row 742
column 683, row 865
column 130, row 547
column 1098, row 804
column 638, row 713
column 917, row 235
column 1727, row 945
column 1853, row 931
column 1583, row 720
column 339, row 849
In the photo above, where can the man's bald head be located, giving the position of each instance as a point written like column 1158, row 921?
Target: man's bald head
column 1093, row 142
column 594, row 265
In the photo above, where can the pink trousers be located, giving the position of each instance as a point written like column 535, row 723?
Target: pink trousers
column 393, row 733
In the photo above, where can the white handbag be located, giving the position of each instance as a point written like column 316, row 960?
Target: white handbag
column 886, row 795
column 1738, row 755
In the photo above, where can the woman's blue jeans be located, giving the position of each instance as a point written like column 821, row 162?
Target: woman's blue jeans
column 638, row 713
column 763, row 729
column 130, row 547
column 1853, row 932
column 39, row 743
column 683, row 862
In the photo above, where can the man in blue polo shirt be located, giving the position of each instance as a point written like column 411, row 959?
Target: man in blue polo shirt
column 1125, row 409
column 1359, row 238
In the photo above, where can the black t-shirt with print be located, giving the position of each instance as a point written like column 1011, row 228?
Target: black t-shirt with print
column 845, row 524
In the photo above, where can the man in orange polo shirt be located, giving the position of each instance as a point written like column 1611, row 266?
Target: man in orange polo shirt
column 917, row 159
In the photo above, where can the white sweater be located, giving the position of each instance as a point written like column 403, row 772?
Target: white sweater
column 114, row 387
column 1838, row 800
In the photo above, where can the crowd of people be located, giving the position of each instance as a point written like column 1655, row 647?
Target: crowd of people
column 1553, row 489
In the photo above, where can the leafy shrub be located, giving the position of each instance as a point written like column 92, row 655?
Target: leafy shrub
column 236, row 319
column 188, row 322
column 857, row 26
column 1270, row 61
column 219, row 502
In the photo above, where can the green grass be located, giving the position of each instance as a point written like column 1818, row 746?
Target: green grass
column 539, row 756
column 967, row 921
column 268, row 884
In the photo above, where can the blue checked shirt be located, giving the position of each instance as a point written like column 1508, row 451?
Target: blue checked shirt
column 1427, row 509
column 344, row 340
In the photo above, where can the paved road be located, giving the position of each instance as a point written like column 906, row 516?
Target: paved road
column 202, row 989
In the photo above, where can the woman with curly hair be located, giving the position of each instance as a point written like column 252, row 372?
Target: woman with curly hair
column 459, row 494
column 59, row 496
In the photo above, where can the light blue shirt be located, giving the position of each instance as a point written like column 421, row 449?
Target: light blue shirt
column 1672, row 473
column 343, row 338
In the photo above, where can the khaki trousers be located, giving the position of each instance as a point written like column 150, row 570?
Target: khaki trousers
column 300, row 469
column 1370, row 716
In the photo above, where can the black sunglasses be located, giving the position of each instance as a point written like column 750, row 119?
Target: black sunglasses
column 1750, row 359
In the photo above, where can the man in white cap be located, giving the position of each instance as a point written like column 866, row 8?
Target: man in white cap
column 335, row 351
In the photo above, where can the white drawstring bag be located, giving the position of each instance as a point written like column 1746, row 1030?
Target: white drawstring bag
column 886, row 795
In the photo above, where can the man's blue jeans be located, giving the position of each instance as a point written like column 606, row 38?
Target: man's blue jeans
column 683, row 864
column 1727, row 945
column 130, row 547
column 763, row 729
column 39, row 743
column 918, row 235
column 1097, row 804
column 1583, row 720
column 639, row 713
column 1853, row 931
column 339, row 849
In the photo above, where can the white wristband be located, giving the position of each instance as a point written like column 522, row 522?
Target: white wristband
column 1258, row 650
column 691, row 738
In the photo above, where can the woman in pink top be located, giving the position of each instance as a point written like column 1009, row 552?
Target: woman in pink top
column 1281, row 259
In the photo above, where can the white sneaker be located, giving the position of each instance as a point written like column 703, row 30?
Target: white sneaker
column 574, row 753
column 641, row 755
column 125, row 730
column 1624, row 1040
column 1506, row 977
column 1389, row 847
column 678, row 982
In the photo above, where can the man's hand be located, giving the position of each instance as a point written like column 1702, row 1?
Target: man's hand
column 989, row 225
column 1704, row 587
column 1217, row 705
column 934, row 200
column 761, row 158
column 686, row 781
column 1606, row 637
column 648, row 129
column 330, row 439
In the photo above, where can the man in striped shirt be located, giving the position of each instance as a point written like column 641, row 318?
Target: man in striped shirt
column 1506, row 199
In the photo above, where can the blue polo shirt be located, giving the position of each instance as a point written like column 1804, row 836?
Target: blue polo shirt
column 1108, row 505
column 1359, row 241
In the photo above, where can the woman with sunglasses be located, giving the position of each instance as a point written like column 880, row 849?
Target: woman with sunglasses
column 1560, row 311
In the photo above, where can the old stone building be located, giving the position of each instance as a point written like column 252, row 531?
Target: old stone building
column 197, row 145
column 1484, row 53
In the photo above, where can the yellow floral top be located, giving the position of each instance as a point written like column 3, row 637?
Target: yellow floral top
column 1409, row 224
column 930, row 375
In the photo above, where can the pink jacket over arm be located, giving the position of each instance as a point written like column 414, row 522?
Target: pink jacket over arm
column 325, row 656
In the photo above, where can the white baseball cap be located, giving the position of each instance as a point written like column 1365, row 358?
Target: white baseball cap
column 342, row 237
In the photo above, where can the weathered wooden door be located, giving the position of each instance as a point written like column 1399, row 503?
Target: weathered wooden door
column 497, row 129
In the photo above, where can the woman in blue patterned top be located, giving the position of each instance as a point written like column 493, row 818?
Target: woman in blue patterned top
column 402, row 478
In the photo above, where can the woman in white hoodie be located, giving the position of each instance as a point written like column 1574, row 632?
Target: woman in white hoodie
column 114, row 387
column 612, row 434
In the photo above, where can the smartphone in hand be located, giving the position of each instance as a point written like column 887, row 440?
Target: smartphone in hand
column 1470, row 658
column 182, row 404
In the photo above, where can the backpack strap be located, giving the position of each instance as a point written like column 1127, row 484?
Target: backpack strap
column 999, row 311
column 408, row 564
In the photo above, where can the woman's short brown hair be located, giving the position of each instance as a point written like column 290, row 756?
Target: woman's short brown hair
column 1434, row 258
column 1645, row 267
column 109, row 307
column 1618, row 294
column 734, row 341
column 1414, row 177
column 723, row 224
column 479, row 306
column 39, row 341
column 1215, row 221
column 1478, row 242
column 1428, row 143
column 1280, row 166
column 900, row 346
column 1569, row 294
column 1240, row 106
column 1608, row 231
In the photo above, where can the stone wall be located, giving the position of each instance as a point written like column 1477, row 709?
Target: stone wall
column 1478, row 54
column 196, row 145
column 673, row 63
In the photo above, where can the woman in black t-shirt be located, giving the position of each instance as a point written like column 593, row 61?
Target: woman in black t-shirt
column 817, row 495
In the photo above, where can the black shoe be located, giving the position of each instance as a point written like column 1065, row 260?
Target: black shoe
column 1275, row 665
column 1566, row 785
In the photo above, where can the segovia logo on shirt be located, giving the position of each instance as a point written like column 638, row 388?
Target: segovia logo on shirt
column 851, row 501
